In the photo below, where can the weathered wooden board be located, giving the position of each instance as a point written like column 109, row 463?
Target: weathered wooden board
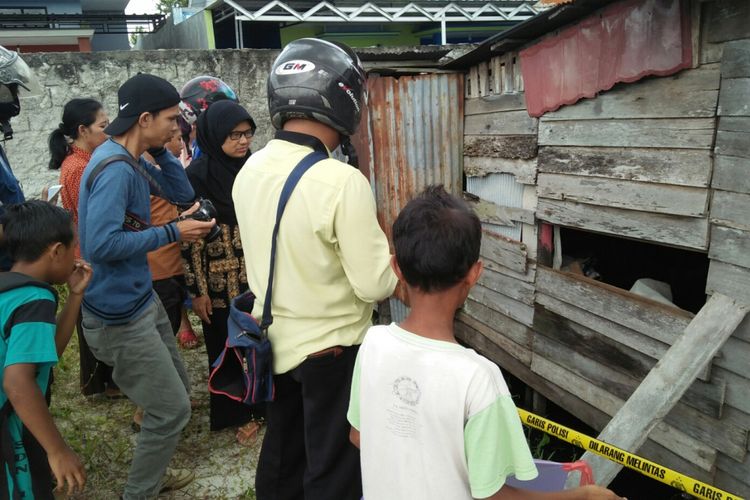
column 644, row 344
column 736, row 60
column 665, row 384
column 728, row 279
column 656, row 320
column 519, row 352
column 731, row 209
column 730, row 245
column 733, row 137
column 523, row 170
column 743, row 333
column 689, row 93
column 738, row 393
column 729, row 483
column 643, row 196
column 593, row 416
column 687, row 133
column 707, row 430
column 729, row 20
column 504, row 251
column 734, row 99
column 731, row 174
column 739, row 470
column 495, row 104
column 736, row 417
column 492, row 213
column 504, row 325
column 523, row 313
column 688, row 232
column 513, row 288
column 529, row 276
column 681, row 167
column 506, row 123
column 711, row 52
column 706, row 398
column 735, row 357
column 501, row 146
column 700, row 454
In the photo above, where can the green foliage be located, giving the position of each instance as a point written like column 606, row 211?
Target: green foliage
column 166, row 6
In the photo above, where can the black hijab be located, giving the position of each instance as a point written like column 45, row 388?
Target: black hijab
column 212, row 173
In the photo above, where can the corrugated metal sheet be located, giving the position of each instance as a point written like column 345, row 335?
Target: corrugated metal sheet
column 415, row 130
column 503, row 190
column 622, row 43
column 399, row 310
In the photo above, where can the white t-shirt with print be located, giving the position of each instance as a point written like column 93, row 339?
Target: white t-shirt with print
column 436, row 420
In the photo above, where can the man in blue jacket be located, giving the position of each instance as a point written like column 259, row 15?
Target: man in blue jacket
column 15, row 77
column 124, row 322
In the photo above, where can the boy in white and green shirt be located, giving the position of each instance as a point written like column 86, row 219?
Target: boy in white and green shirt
column 434, row 419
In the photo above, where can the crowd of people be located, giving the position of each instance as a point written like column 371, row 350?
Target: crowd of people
column 392, row 411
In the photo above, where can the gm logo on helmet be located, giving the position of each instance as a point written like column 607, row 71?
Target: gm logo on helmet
column 294, row 67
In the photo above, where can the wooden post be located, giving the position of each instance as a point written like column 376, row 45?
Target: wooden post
column 667, row 381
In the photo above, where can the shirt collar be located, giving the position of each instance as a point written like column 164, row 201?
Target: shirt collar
column 302, row 140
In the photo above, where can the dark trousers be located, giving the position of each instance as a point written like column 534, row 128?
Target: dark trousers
column 171, row 292
column 95, row 375
column 306, row 452
column 223, row 411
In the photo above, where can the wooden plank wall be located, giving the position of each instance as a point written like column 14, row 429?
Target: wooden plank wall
column 729, row 249
column 637, row 162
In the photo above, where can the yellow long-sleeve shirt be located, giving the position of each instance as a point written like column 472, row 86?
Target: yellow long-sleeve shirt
column 332, row 257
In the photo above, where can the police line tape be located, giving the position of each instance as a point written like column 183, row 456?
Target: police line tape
column 627, row 459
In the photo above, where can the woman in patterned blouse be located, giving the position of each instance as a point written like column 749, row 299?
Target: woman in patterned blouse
column 215, row 271
column 70, row 146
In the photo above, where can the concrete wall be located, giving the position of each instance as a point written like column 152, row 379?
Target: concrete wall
column 99, row 74
column 194, row 33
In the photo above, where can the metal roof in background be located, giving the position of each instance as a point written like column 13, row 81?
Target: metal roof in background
column 529, row 30
column 383, row 11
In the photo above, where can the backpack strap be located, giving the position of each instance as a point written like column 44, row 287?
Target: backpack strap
column 157, row 190
column 286, row 192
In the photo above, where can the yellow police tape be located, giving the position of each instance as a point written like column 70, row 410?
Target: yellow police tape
column 638, row 464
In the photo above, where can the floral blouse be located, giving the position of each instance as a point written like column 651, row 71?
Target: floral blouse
column 216, row 269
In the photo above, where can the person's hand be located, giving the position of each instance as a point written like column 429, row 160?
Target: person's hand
column 80, row 277
column 67, row 468
column 594, row 492
column 202, row 308
column 191, row 229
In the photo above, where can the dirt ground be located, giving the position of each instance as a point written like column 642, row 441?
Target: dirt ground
column 99, row 431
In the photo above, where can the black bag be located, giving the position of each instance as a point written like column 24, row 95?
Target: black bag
column 244, row 370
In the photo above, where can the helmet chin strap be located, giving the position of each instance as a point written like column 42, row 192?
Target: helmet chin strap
column 348, row 149
column 6, row 129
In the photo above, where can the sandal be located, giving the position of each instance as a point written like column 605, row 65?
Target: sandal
column 247, row 435
column 187, row 339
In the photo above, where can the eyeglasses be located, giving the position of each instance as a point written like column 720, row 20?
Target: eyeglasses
column 238, row 134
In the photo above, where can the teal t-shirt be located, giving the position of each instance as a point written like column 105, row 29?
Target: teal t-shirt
column 27, row 329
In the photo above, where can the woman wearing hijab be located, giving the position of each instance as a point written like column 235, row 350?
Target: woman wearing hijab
column 215, row 271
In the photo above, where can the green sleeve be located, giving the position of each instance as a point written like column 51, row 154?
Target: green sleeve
column 496, row 447
column 353, row 414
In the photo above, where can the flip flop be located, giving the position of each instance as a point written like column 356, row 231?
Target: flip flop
column 247, row 435
column 187, row 339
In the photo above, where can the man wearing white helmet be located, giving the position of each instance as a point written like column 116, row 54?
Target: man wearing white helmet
column 332, row 265
column 15, row 78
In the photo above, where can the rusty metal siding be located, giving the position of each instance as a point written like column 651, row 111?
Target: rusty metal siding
column 415, row 130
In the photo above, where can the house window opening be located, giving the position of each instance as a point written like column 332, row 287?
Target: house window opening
column 666, row 274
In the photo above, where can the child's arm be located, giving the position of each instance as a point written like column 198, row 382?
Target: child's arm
column 354, row 437
column 19, row 383
column 66, row 320
column 583, row 493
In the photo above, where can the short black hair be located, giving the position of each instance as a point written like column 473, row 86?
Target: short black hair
column 29, row 228
column 437, row 238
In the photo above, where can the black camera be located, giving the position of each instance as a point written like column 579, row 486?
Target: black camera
column 206, row 211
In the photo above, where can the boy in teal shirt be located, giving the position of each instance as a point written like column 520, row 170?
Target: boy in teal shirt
column 40, row 239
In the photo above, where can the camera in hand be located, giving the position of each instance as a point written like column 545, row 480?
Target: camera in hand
column 206, row 211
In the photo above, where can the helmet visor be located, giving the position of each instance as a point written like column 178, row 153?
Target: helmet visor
column 17, row 71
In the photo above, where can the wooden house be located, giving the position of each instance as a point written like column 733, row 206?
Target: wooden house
column 606, row 142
